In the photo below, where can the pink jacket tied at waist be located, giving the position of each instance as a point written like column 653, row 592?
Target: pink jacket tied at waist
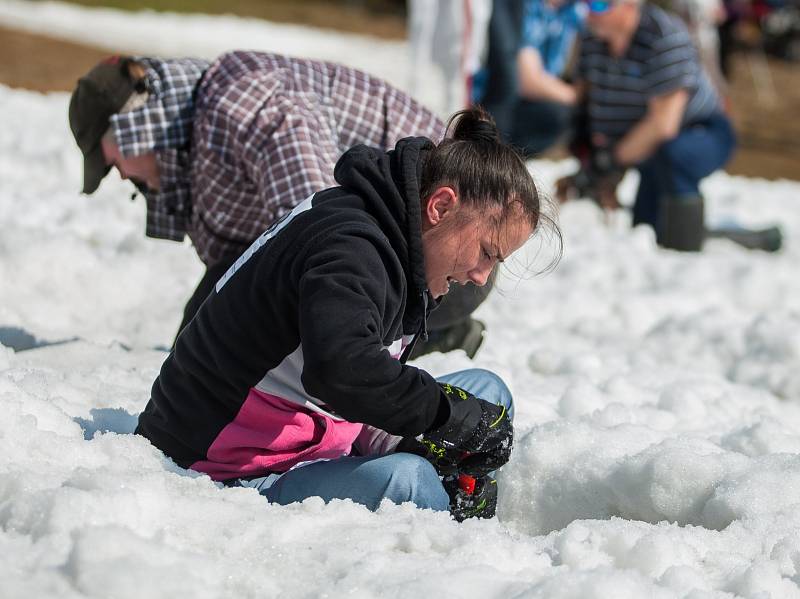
column 270, row 434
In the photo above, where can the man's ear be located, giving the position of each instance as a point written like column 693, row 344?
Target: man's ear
column 441, row 204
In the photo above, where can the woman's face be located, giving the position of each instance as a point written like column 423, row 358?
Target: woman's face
column 463, row 245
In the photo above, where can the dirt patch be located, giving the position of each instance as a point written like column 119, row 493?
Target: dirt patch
column 381, row 18
column 43, row 64
column 764, row 95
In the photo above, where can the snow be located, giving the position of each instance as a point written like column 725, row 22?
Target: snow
column 657, row 394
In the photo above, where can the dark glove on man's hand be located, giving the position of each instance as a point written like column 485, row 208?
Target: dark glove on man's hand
column 597, row 179
column 481, row 503
column 603, row 164
column 476, row 427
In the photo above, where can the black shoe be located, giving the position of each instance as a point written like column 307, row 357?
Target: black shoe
column 466, row 335
column 769, row 239
column 681, row 224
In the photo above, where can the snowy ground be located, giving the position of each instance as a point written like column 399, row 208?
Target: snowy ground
column 658, row 397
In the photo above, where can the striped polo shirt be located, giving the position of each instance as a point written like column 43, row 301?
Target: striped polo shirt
column 659, row 60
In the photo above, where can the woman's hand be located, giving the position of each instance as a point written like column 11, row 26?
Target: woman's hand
column 475, row 427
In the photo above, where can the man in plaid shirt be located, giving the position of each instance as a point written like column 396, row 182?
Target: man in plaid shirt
column 221, row 151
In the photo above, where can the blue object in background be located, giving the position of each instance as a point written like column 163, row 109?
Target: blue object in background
column 551, row 29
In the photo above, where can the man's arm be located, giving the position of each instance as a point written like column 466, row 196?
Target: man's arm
column 535, row 83
column 661, row 123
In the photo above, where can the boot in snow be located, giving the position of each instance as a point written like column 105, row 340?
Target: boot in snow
column 681, row 224
column 769, row 239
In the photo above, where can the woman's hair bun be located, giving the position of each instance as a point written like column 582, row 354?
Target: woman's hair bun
column 473, row 124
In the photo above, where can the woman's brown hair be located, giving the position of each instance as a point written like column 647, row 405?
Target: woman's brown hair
column 486, row 173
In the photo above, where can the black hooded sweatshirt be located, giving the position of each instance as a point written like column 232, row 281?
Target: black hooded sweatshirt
column 304, row 332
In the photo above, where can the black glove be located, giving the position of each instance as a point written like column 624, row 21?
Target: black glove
column 598, row 168
column 475, row 426
column 603, row 164
column 584, row 183
column 444, row 460
column 451, row 462
column 481, row 503
column 597, row 179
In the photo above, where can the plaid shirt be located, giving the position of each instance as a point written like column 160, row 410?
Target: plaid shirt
column 164, row 125
column 267, row 132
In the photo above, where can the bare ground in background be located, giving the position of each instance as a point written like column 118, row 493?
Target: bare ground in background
column 767, row 122
column 381, row 18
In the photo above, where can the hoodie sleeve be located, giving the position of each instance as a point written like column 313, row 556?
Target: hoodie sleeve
column 351, row 290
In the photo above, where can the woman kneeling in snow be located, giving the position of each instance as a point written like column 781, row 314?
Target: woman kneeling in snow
column 292, row 378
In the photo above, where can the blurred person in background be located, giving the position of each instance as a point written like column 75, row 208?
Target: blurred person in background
column 495, row 86
column 649, row 105
column 223, row 150
column 300, row 388
column 544, row 112
column 536, row 108
column 703, row 19
column 734, row 12
column 452, row 35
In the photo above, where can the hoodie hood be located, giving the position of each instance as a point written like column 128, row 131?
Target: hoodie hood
column 389, row 184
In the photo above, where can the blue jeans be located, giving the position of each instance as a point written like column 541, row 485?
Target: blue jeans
column 399, row 477
column 678, row 166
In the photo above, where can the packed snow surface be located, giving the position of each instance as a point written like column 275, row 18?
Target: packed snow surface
column 657, row 394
